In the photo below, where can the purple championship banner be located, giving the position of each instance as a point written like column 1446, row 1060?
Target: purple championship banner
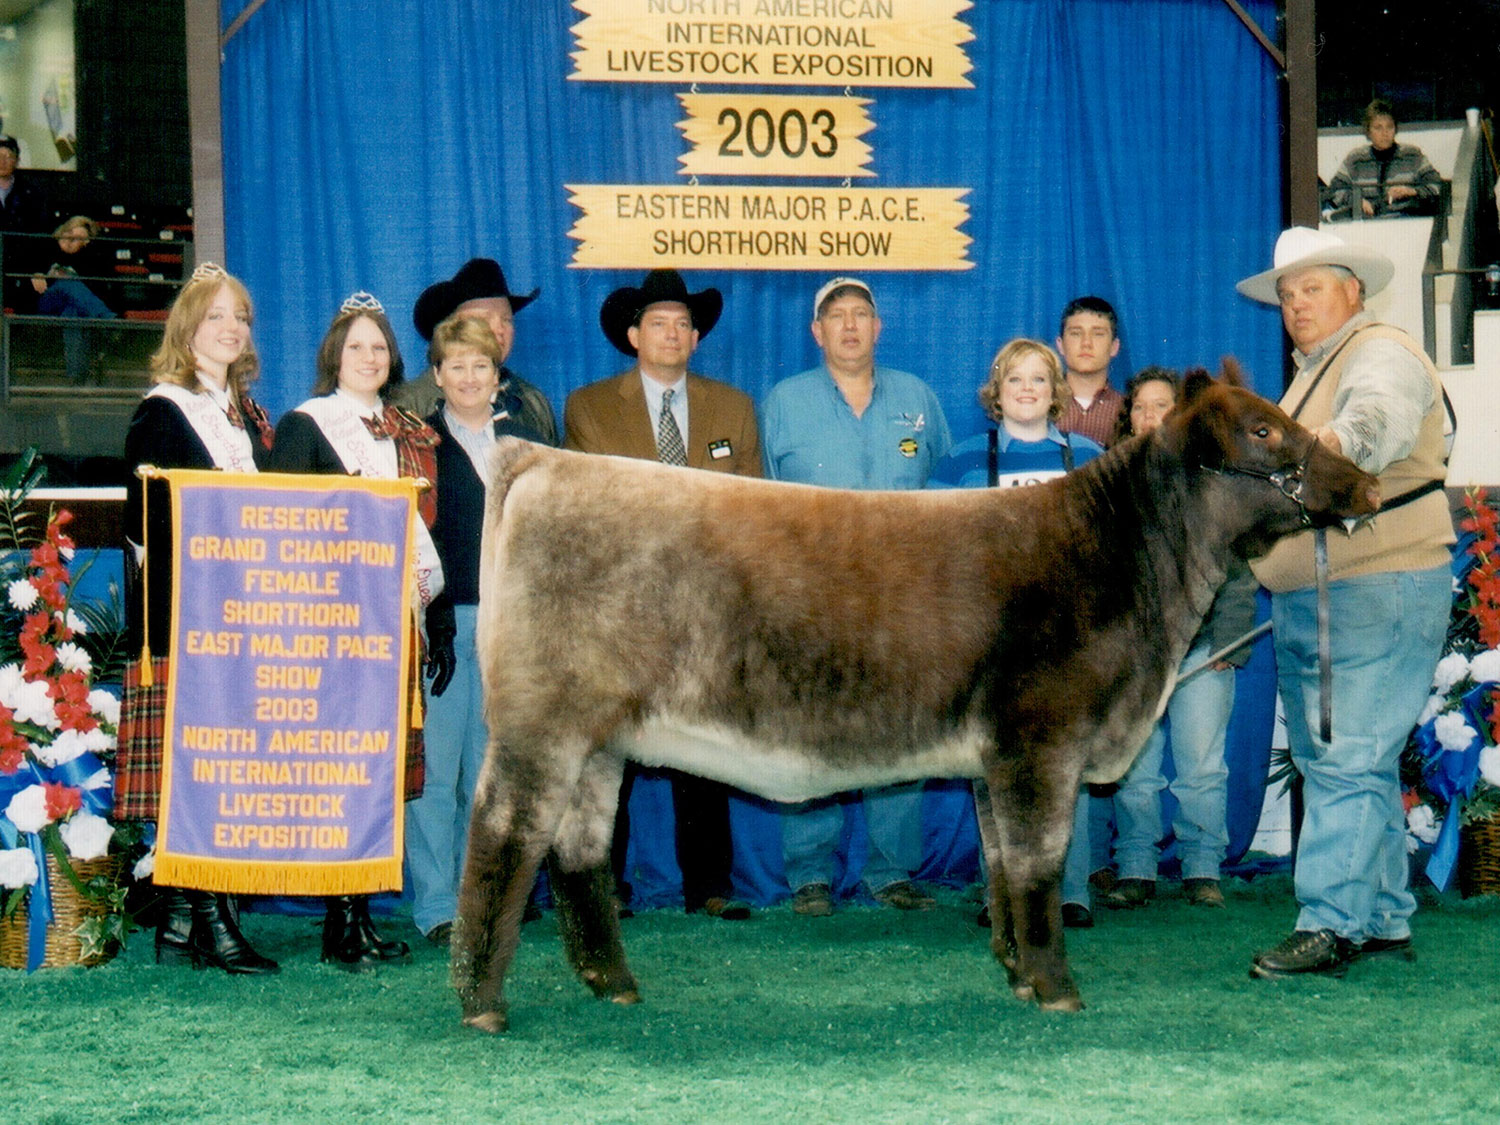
column 287, row 708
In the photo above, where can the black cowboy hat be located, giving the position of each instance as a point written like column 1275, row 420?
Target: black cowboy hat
column 623, row 307
column 477, row 279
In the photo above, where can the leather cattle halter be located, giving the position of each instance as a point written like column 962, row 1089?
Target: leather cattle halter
column 1289, row 482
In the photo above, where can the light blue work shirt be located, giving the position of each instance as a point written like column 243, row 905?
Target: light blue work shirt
column 811, row 436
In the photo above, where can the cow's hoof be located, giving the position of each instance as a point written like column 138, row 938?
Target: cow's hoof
column 619, row 987
column 492, row 1023
column 1024, row 992
column 1073, row 1003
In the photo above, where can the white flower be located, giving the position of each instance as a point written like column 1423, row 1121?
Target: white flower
column 1450, row 669
column 1485, row 668
column 10, row 683
column 76, row 623
column 105, row 705
column 31, row 704
column 1423, row 824
column 73, row 658
column 68, row 745
column 99, row 740
column 86, row 835
column 1489, row 765
column 144, row 866
column 28, row 809
column 17, row 868
column 99, row 779
column 22, row 594
column 1434, row 708
column 1452, row 732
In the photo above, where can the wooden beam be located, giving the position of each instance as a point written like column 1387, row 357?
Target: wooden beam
column 1303, row 202
column 205, row 129
column 1261, row 37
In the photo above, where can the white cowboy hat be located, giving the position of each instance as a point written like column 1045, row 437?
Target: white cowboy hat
column 1298, row 248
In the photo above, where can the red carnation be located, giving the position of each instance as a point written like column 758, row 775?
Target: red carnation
column 61, row 801
column 71, row 691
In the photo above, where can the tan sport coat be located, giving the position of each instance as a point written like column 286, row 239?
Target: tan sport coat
column 611, row 416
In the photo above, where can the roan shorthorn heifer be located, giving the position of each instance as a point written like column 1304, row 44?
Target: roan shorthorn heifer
column 798, row 641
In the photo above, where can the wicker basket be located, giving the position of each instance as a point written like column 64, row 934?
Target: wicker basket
column 69, row 909
column 1479, row 858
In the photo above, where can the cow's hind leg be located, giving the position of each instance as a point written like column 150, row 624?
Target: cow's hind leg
column 518, row 805
column 583, row 884
column 1033, row 821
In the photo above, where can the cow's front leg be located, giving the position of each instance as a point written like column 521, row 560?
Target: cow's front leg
column 518, row 804
column 1034, row 826
column 584, row 886
column 1002, row 922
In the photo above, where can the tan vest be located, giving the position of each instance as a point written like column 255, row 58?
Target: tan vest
column 1414, row 536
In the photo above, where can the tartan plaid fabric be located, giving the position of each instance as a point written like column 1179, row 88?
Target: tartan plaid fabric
column 252, row 410
column 142, row 723
column 416, row 452
column 416, row 749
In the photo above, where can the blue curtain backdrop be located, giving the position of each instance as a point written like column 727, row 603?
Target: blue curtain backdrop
column 1129, row 150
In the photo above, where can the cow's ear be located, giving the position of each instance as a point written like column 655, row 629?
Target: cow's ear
column 1231, row 373
column 1194, row 383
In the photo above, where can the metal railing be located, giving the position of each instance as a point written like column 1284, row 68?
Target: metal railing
column 1454, row 258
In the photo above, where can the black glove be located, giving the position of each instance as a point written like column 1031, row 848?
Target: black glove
column 441, row 629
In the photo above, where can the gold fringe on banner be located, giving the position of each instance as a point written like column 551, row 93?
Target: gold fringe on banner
column 370, row 876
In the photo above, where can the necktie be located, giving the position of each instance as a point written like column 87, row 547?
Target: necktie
column 669, row 447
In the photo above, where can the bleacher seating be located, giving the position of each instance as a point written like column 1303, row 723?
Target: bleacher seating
column 138, row 264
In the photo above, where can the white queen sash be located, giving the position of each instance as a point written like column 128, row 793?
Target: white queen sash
column 341, row 424
column 229, row 446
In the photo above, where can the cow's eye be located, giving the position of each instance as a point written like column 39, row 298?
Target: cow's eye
column 1262, row 432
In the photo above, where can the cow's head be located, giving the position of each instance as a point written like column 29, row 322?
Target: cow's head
column 1287, row 477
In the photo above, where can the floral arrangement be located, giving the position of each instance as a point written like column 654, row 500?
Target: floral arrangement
column 1451, row 769
column 57, row 734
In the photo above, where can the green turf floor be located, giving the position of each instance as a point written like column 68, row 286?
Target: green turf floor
column 868, row 1016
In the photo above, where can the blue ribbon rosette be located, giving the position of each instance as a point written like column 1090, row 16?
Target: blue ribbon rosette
column 99, row 801
column 1451, row 776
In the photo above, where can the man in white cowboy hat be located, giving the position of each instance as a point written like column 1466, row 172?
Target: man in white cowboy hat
column 1368, row 391
column 658, row 410
column 479, row 290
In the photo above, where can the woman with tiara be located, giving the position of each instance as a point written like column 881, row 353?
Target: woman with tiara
column 197, row 415
column 349, row 427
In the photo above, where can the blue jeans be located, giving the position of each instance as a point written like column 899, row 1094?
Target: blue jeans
column 1199, row 715
column 1387, row 632
column 437, row 822
column 893, row 815
column 1079, row 863
column 74, row 299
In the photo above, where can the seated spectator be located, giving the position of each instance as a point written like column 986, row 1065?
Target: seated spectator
column 1387, row 178
column 1198, row 713
column 61, row 293
column 1026, row 395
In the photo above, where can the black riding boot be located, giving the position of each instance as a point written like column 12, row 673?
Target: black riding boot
column 174, row 926
column 349, row 936
column 216, row 939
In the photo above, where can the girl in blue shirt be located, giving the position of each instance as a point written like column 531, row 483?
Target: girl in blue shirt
column 1025, row 395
